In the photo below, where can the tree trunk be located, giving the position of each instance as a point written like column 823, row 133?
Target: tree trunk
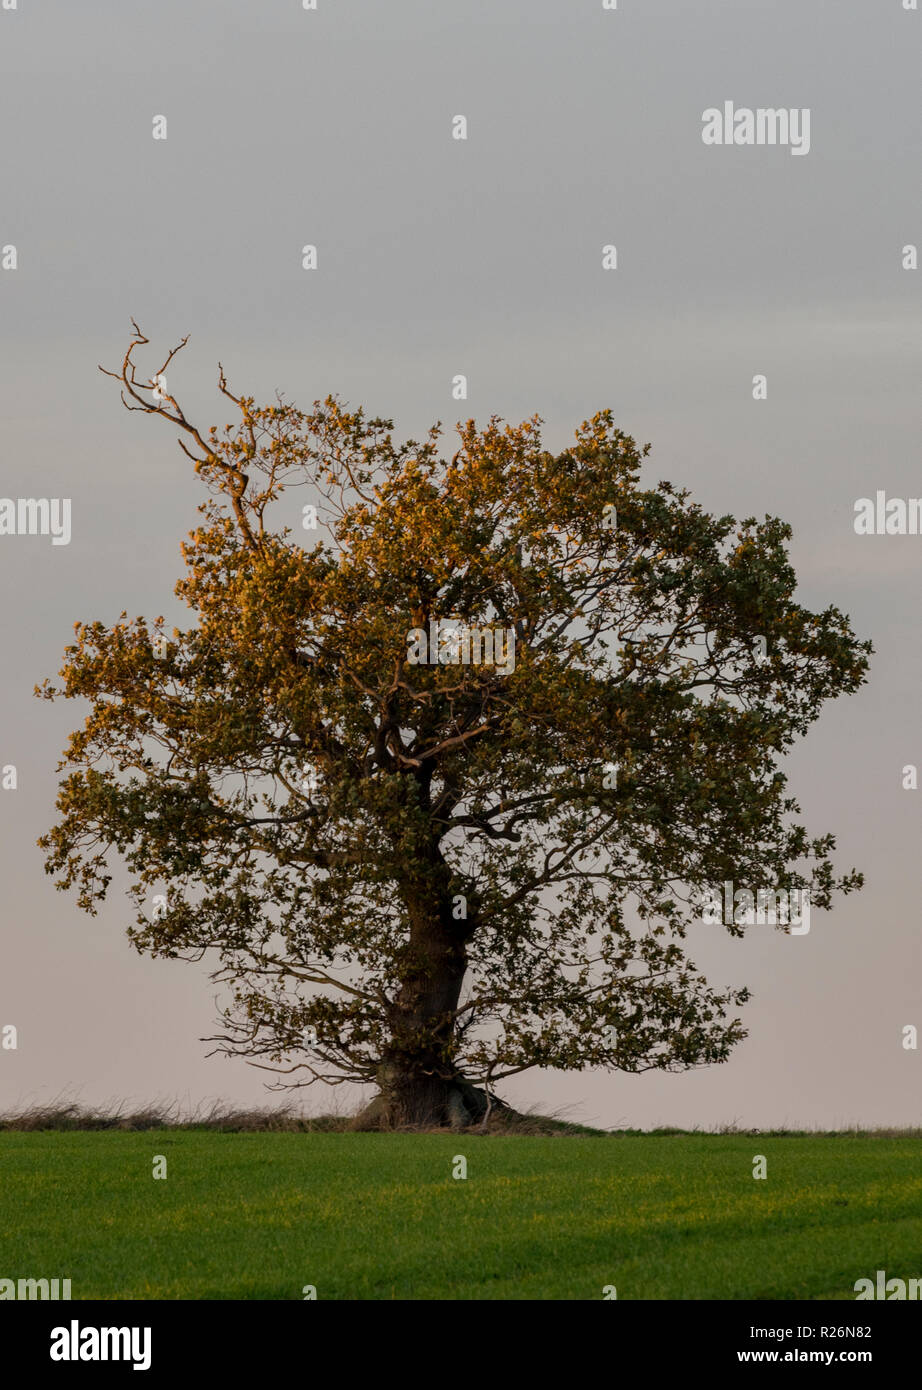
column 420, row 1086
column 416, row 1076
column 423, row 1103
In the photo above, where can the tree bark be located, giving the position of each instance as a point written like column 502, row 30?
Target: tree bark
column 405, row 1103
column 416, row 1076
column 419, row 1084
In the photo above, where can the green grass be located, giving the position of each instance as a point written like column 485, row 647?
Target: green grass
column 379, row 1216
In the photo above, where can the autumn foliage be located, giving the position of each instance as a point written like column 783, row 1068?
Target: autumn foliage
column 431, row 877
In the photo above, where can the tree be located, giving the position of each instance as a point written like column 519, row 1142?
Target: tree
column 432, row 859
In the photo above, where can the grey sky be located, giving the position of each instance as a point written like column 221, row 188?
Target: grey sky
column 436, row 257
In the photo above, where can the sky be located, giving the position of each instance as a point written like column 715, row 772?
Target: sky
column 436, row 256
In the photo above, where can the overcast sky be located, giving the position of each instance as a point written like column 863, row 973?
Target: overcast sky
column 484, row 257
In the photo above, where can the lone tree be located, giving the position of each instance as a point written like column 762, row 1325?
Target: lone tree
column 431, row 860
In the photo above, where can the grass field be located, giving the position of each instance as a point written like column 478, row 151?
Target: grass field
column 369, row 1216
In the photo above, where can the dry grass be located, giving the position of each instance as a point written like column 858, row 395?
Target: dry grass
column 66, row 1115
column 216, row 1116
column 62, row 1115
